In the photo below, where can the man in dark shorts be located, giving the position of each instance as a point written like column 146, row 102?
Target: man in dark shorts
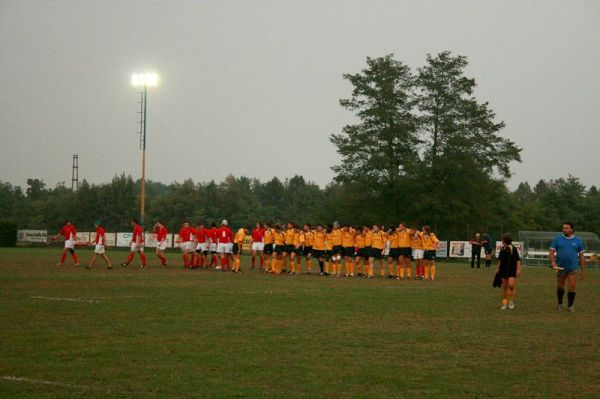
column 567, row 258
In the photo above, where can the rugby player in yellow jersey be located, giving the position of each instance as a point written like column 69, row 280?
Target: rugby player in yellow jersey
column 368, row 239
column 318, row 249
column 377, row 247
column 328, row 249
column 288, row 249
column 394, row 255
column 430, row 243
column 337, row 250
column 418, row 253
column 309, row 240
column 279, row 240
column 349, row 252
column 268, row 249
column 405, row 250
column 238, row 242
column 359, row 244
column 296, row 254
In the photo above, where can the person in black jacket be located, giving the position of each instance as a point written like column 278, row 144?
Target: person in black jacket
column 476, row 250
column 509, row 268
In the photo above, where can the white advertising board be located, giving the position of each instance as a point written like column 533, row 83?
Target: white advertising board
column 32, row 235
column 124, row 239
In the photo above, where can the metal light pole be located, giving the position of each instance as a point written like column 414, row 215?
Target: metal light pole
column 143, row 80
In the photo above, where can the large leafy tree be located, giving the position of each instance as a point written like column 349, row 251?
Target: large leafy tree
column 381, row 150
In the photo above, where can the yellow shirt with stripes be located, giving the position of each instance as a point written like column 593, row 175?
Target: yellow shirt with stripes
column 289, row 236
column 417, row 241
column 269, row 237
column 359, row 241
column 404, row 238
column 239, row 236
column 320, row 237
column 378, row 240
column 279, row 237
column 348, row 238
column 329, row 241
column 309, row 238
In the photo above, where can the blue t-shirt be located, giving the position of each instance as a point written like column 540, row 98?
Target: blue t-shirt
column 567, row 251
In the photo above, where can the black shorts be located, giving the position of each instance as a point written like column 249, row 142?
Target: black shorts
column 327, row 253
column 487, row 251
column 376, row 253
column 236, row 248
column 362, row 252
column 337, row 250
column 289, row 248
column 366, row 252
column 349, row 251
column 318, row 253
column 405, row 251
column 279, row 249
column 298, row 251
column 394, row 253
column 429, row 254
column 268, row 250
column 307, row 251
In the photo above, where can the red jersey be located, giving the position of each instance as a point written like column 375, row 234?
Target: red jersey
column 185, row 234
column 68, row 231
column 213, row 234
column 224, row 235
column 202, row 235
column 258, row 235
column 138, row 234
column 100, row 236
column 161, row 234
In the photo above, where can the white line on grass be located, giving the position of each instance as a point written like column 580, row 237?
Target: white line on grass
column 66, row 299
column 44, row 382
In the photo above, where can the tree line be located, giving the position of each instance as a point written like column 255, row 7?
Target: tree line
column 424, row 150
column 244, row 201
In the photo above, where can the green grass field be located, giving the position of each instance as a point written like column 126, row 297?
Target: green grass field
column 67, row 332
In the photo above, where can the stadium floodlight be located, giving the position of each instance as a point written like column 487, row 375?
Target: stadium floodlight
column 149, row 79
column 143, row 80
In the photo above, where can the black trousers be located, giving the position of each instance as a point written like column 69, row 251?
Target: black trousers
column 476, row 253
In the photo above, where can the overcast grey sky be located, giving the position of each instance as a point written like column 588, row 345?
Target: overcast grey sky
column 252, row 87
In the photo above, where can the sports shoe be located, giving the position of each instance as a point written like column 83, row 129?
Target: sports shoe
column 351, row 274
column 124, row 264
column 559, row 306
column 503, row 307
column 346, row 275
column 571, row 308
column 511, row 305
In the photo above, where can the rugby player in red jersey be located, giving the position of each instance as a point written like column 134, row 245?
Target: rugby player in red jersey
column 258, row 245
column 212, row 245
column 101, row 246
column 201, row 245
column 224, row 244
column 161, row 242
column 186, row 242
column 137, row 244
column 69, row 233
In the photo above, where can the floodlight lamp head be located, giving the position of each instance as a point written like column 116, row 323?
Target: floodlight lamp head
column 149, row 79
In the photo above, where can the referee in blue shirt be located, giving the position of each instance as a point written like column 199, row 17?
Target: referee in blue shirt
column 566, row 257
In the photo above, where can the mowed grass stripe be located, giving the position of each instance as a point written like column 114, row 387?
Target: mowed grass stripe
column 196, row 333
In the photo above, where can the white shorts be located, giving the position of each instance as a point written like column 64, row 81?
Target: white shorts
column 161, row 246
column 418, row 253
column 70, row 244
column 212, row 247
column 202, row 246
column 188, row 246
column 99, row 249
column 224, row 248
column 137, row 247
column 258, row 246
